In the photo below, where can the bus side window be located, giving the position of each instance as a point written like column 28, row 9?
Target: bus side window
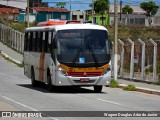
column 49, row 42
column 43, row 41
column 46, row 42
column 39, row 41
column 34, row 41
column 26, row 42
column 30, row 41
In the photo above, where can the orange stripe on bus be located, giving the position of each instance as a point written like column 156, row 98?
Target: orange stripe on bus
column 41, row 67
column 91, row 69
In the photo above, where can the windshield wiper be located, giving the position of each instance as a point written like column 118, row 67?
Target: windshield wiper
column 93, row 55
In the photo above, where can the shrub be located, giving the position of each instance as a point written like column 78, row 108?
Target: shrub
column 130, row 88
column 113, row 84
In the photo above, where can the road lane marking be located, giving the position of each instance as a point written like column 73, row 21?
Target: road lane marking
column 108, row 101
column 101, row 100
column 11, row 100
column 18, row 103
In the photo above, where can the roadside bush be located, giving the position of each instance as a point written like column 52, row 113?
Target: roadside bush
column 114, row 84
column 130, row 88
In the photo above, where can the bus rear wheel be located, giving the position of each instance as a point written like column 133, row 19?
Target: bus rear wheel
column 97, row 89
column 33, row 81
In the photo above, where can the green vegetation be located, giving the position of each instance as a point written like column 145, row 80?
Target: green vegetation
column 151, row 9
column 135, row 31
column 19, row 26
column 130, row 88
column 150, row 70
column 100, row 6
column 114, row 84
column 9, row 60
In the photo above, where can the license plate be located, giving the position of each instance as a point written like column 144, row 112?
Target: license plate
column 84, row 79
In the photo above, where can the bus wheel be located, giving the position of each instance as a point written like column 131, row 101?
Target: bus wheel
column 33, row 81
column 49, row 83
column 97, row 89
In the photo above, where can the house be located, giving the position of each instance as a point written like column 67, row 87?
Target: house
column 98, row 19
column 46, row 13
column 78, row 15
column 156, row 19
column 23, row 17
column 138, row 16
column 9, row 14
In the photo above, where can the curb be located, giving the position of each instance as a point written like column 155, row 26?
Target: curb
column 144, row 90
column 5, row 55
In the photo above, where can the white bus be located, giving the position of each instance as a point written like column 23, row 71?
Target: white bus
column 68, row 55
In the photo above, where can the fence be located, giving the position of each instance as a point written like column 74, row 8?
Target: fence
column 12, row 38
column 140, row 59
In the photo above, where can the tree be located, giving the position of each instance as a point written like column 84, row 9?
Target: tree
column 127, row 10
column 151, row 9
column 61, row 4
column 100, row 6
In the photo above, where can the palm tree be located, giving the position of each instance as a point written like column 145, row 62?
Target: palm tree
column 101, row 6
column 127, row 10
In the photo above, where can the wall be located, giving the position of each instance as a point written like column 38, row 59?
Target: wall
column 41, row 16
column 98, row 19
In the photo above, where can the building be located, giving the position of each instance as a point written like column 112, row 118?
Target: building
column 156, row 19
column 78, row 15
column 9, row 14
column 18, row 4
column 98, row 19
column 138, row 16
column 46, row 13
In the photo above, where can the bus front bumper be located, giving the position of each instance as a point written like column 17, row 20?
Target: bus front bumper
column 62, row 80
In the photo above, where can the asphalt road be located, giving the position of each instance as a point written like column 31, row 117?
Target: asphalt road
column 16, row 90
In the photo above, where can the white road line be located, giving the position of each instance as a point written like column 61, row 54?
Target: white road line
column 109, row 102
column 11, row 100
column 18, row 103
column 102, row 100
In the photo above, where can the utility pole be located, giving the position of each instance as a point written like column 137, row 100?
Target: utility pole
column 27, row 13
column 115, row 38
column 120, row 10
column 92, row 11
column 70, row 11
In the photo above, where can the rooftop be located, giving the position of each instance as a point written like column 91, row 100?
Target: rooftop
column 50, row 9
column 8, row 10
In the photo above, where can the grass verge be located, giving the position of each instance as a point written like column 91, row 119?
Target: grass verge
column 9, row 60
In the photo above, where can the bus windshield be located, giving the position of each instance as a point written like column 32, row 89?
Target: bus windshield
column 83, row 47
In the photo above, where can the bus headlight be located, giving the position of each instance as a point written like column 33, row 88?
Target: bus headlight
column 106, row 70
column 62, row 71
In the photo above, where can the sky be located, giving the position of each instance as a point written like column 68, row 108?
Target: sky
column 84, row 4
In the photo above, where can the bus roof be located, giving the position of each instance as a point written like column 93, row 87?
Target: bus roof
column 66, row 27
column 52, row 22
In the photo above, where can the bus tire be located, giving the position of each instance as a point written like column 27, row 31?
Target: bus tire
column 49, row 83
column 33, row 81
column 98, row 89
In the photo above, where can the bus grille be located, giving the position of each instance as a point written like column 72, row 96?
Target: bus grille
column 84, row 74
